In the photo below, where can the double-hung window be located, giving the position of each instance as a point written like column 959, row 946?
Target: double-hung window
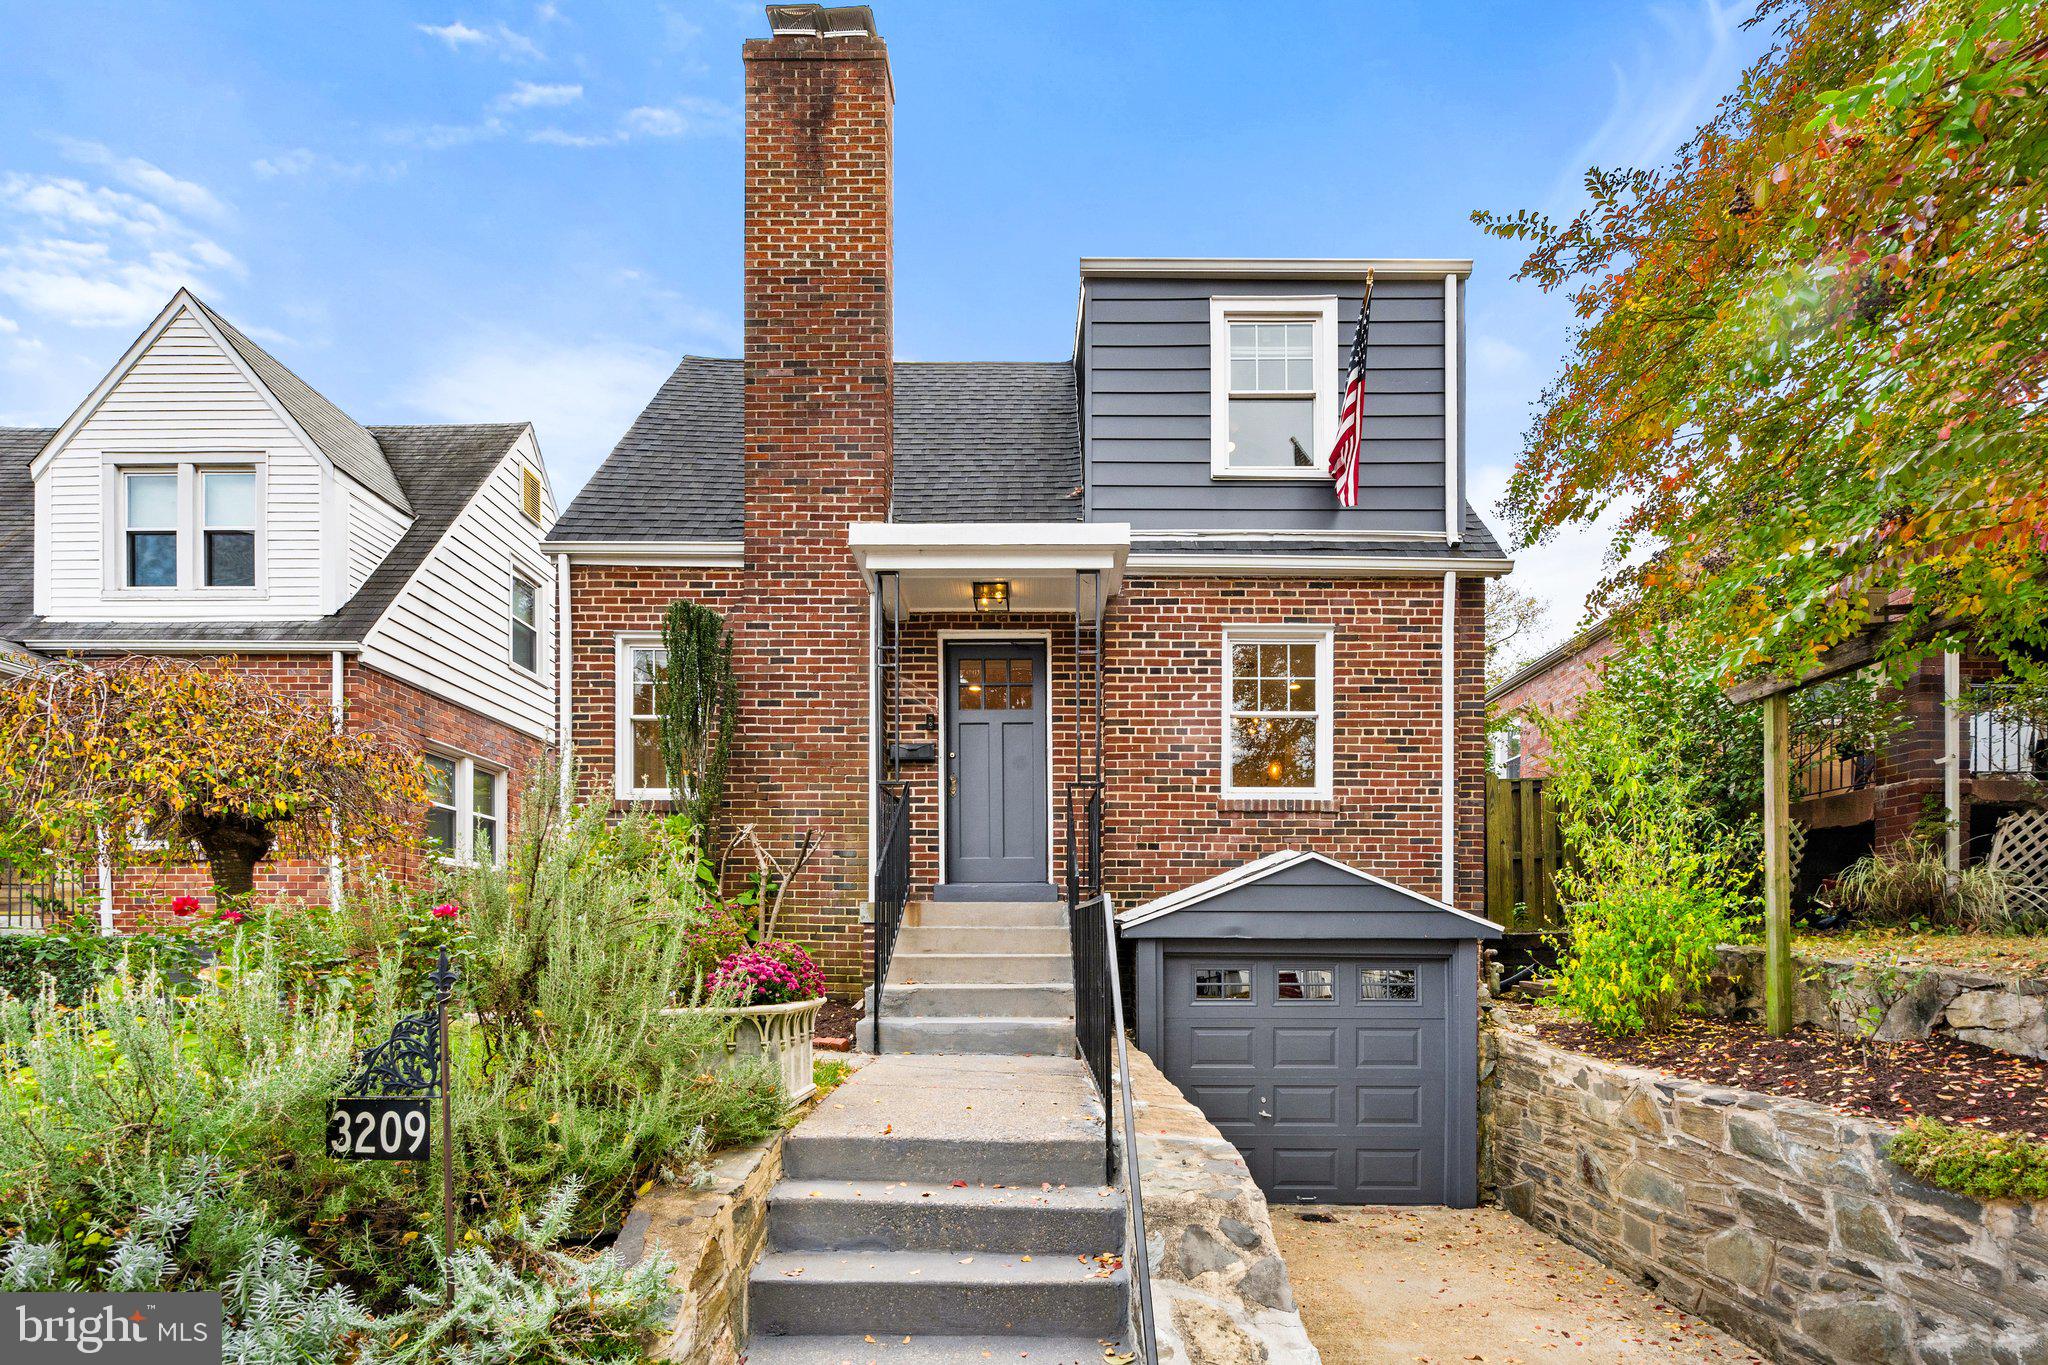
column 641, row 773
column 149, row 502
column 227, row 505
column 1272, row 385
column 1278, row 713
column 465, row 809
column 525, row 624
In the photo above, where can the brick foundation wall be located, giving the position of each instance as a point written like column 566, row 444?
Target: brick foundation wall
column 374, row 703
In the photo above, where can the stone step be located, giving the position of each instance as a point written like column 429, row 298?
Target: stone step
column 1075, row 1160
column 908, row 1293
column 891, row 1348
column 873, row 1215
column 971, row 1036
column 963, row 1000
column 1026, row 914
column 977, row 969
column 983, row 938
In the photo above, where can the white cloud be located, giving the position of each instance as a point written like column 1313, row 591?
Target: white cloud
column 152, row 181
column 8, row 326
column 684, row 116
column 1493, row 356
column 579, row 397
column 528, row 95
column 498, row 40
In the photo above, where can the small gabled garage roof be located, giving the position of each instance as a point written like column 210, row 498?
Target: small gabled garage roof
column 1295, row 894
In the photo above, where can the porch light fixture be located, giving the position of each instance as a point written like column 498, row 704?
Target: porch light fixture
column 994, row 596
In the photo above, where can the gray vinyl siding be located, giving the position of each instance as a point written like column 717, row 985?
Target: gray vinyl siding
column 1145, row 396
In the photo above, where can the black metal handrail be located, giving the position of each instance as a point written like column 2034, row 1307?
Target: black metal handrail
column 1099, row 1032
column 2004, row 736
column 892, row 889
column 29, row 902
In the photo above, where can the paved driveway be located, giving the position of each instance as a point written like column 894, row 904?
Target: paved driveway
column 1381, row 1285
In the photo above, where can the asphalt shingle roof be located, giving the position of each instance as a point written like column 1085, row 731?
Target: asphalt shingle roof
column 348, row 444
column 987, row 441
column 677, row 472
column 439, row 468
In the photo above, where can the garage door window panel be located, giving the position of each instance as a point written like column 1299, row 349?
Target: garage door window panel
column 1387, row 984
column 1306, row 985
column 1223, row 985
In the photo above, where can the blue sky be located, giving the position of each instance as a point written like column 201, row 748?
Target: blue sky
column 474, row 211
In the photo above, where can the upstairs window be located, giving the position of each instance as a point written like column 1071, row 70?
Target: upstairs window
column 525, row 624
column 1277, row 714
column 150, row 502
column 1272, row 384
column 228, row 513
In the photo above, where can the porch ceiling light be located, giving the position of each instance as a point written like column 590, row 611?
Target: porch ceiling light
column 992, row 596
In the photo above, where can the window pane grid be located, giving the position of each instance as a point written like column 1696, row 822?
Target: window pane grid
column 525, row 625
column 1272, row 358
column 643, row 735
column 1274, row 714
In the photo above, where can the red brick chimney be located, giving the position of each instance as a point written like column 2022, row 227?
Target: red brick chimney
column 819, row 436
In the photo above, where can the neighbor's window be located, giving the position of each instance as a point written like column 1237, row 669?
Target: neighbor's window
column 227, row 505
column 465, row 809
column 525, row 625
column 1305, row 983
column 151, row 521
column 1277, row 704
column 641, row 773
column 1223, row 983
column 1272, row 378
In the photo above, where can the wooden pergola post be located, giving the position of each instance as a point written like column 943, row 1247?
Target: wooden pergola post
column 1778, row 978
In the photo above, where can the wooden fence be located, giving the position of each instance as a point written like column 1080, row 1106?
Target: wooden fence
column 1522, row 854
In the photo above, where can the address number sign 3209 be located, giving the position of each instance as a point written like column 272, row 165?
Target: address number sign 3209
column 378, row 1128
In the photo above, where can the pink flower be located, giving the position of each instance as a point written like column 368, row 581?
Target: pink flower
column 232, row 916
column 182, row 906
column 446, row 911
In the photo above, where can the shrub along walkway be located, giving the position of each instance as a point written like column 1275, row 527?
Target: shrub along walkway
column 1890, row 1082
column 1378, row 1286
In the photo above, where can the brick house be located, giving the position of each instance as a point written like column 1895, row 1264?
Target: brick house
column 1848, row 803
column 996, row 598
column 204, row 501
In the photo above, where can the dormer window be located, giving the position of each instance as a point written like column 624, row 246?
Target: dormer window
column 1272, row 385
column 192, row 525
column 150, row 502
column 228, row 512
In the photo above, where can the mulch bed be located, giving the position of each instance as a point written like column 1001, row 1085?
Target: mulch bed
column 1891, row 1082
column 834, row 1031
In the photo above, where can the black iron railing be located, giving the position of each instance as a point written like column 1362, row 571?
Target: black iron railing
column 2005, row 737
column 892, row 888
column 1826, row 762
column 29, row 902
column 1099, row 1035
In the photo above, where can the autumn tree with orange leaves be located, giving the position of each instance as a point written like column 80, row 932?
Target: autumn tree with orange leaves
column 1809, row 358
column 196, row 755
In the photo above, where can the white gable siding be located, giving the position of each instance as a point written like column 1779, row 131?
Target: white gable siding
column 184, row 397
column 374, row 526
column 449, row 631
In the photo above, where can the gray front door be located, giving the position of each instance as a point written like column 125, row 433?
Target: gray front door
column 995, row 765
column 1328, row 1073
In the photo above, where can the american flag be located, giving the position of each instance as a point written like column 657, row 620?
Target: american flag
column 1350, row 414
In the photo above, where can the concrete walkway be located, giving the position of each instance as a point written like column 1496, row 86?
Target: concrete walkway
column 1381, row 1285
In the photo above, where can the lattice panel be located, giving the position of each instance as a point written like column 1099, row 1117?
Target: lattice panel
column 1797, row 839
column 2020, row 848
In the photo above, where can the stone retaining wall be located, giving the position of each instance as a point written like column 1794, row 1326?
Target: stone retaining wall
column 1219, row 1287
column 714, row 1235
column 1913, row 1000
column 1776, row 1219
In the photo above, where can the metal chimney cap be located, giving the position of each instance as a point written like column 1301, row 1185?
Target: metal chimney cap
column 822, row 21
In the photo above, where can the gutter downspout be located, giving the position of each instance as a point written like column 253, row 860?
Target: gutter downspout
column 565, row 673
column 1450, row 738
column 1952, row 761
column 337, row 706
column 106, row 886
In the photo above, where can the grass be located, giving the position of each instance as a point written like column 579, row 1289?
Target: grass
column 1997, row 954
column 829, row 1073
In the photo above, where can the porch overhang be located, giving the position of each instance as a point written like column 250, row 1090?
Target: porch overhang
column 938, row 563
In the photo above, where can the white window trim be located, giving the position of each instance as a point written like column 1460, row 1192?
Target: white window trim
column 521, row 574
column 466, row 771
column 1324, row 639
column 1224, row 310
column 191, row 527
column 622, row 720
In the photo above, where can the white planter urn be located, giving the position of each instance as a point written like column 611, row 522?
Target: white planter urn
column 781, row 1033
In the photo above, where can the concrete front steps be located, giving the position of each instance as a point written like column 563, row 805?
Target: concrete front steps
column 955, row 1201
column 968, row 977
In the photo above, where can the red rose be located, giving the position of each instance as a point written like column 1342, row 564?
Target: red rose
column 185, row 905
column 232, row 916
column 446, row 911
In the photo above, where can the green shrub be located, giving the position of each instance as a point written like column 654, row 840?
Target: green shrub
column 1971, row 1161
column 1909, row 885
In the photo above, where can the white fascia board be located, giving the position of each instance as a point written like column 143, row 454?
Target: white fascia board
column 84, row 411
column 1240, row 537
column 1260, row 868
column 143, row 645
column 1326, row 566
column 1262, row 267
column 701, row 554
column 989, row 547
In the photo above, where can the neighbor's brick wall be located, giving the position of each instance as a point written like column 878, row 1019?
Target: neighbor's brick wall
column 374, row 703
column 1555, row 691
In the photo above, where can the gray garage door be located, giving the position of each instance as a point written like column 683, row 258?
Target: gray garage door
column 1327, row 1072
